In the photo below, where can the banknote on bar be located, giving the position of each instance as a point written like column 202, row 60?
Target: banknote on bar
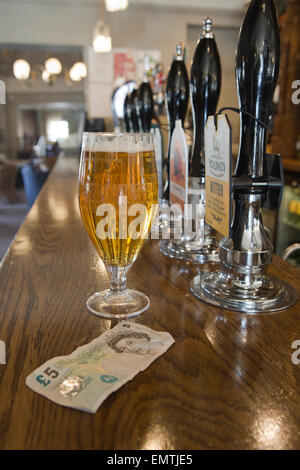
column 85, row 378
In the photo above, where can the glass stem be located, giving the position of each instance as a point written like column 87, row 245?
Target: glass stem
column 117, row 276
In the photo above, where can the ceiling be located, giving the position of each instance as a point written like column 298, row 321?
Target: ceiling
column 225, row 5
column 213, row 4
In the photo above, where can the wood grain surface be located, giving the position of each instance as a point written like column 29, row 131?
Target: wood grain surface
column 228, row 382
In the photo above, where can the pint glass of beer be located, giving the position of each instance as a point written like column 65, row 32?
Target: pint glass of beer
column 118, row 198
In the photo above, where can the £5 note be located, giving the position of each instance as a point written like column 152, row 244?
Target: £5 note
column 85, row 378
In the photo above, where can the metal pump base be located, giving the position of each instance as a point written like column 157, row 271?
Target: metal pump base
column 243, row 284
column 204, row 247
column 187, row 251
column 218, row 289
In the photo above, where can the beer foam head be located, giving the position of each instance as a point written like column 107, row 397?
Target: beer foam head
column 115, row 143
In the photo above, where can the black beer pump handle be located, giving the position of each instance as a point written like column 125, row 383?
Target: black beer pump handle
column 205, row 87
column 257, row 67
column 134, row 111
column 127, row 114
column 145, row 97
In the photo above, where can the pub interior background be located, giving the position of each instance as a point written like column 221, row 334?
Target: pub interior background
column 45, row 117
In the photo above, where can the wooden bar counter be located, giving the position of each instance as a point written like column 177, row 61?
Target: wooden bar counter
column 228, row 382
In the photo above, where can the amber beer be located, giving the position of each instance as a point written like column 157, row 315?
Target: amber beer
column 118, row 197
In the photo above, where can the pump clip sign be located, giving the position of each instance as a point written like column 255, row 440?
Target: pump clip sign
column 218, row 160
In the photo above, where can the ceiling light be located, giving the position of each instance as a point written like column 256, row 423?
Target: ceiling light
column 115, row 5
column 21, row 69
column 53, row 66
column 46, row 77
column 78, row 71
column 102, row 38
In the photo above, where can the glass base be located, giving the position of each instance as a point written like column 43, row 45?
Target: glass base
column 216, row 289
column 189, row 251
column 111, row 304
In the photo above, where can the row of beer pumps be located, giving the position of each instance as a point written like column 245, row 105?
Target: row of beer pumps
column 242, row 282
column 204, row 88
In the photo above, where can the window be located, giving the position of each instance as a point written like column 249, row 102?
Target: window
column 57, row 130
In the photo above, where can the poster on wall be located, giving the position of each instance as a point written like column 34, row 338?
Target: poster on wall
column 124, row 66
column 107, row 69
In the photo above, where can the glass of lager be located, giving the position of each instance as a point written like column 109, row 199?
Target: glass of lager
column 118, row 197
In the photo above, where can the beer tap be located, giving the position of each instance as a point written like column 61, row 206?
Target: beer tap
column 145, row 98
column 243, row 283
column 205, row 88
column 177, row 99
column 127, row 114
column 135, row 118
